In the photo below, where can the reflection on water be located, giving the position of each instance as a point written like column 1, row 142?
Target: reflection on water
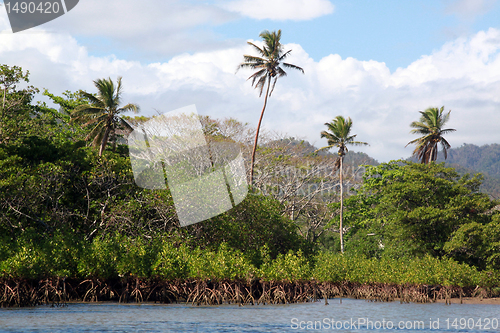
column 350, row 316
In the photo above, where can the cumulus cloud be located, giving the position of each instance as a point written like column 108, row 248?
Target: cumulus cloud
column 463, row 75
column 281, row 9
column 157, row 29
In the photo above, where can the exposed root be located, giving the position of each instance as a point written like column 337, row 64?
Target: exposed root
column 58, row 291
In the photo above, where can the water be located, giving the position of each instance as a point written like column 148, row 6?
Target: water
column 350, row 316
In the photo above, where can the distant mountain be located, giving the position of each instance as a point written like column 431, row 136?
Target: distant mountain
column 484, row 159
column 473, row 159
column 467, row 158
column 351, row 158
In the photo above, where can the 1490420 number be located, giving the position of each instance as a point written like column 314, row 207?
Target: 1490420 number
column 471, row 323
column 31, row 7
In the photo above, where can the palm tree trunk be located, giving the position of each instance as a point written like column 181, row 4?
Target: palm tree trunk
column 257, row 132
column 104, row 140
column 341, row 207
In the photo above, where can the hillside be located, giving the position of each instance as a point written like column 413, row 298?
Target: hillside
column 485, row 159
column 351, row 158
column 467, row 158
column 473, row 159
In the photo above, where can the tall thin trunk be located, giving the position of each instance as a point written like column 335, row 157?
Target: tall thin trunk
column 258, row 130
column 341, row 207
column 104, row 140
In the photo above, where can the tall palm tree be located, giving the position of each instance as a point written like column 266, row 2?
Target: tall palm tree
column 267, row 63
column 430, row 127
column 102, row 113
column 339, row 135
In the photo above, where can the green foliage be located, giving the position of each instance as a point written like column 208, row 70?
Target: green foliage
column 64, row 211
column 477, row 244
column 116, row 255
column 172, row 262
column 427, row 270
column 254, row 223
column 101, row 114
column 34, row 256
column 287, row 267
column 16, row 109
column 413, row 209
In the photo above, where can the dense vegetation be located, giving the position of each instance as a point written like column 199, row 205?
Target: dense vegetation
column 116, row 255
column 67, row 212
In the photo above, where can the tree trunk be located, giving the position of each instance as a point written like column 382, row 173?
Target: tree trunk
column 104, row 140
column 258, row 130
column 341, row 207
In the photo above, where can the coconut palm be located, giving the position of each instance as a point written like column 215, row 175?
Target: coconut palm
column 430, row 127
column 339, row 135
column 267, row 63
column 102, row 113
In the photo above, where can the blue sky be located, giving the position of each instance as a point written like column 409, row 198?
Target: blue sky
column 392, row 31
column 378, row 62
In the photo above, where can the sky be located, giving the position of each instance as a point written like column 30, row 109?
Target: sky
column 378, row 62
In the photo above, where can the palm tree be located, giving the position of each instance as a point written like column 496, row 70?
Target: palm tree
column 430, row 127
column 339, row 135
column 267, row 63
column 102, row 112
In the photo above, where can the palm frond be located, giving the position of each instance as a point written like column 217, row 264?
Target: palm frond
column 292, row 66
column 274, row 84
column 268, row 61
column 258, row 49
column 261, row 83
column 125, row 124
column 100, row 127
column 284, row 55
column 129, row 107
column 256, row 75
column 94, row 120
column 325, row 148
column 92, row 98
column 430, row 127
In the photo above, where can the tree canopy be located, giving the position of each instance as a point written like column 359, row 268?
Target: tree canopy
column 410, row 209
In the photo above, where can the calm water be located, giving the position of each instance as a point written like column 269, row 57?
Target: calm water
column 350, row 316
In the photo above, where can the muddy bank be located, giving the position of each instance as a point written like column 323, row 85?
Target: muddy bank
column 58, row 291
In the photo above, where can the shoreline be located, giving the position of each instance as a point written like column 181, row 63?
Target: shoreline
column 472, row 300
column 331, row 301
column 58, row 291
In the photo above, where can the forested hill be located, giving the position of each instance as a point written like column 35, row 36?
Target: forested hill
column 467, row 158
column 351, row 158
column 473, row 159
column 485, row 159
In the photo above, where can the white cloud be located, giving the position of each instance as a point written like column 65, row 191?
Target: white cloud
column 463, row 75
column 157, row 29
column 469, row 9
column 281, row 9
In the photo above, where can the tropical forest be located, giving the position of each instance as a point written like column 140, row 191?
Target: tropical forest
column 317, row 222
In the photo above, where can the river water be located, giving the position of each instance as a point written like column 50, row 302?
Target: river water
column 349, row 316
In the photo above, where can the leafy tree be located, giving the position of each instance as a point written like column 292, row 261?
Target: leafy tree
column 267, row 63
column 412, row 209
column 16, row 109
column 477, row 244
column 430, row 126
column 102, row 113
column 255, row 222
column 339, row 135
